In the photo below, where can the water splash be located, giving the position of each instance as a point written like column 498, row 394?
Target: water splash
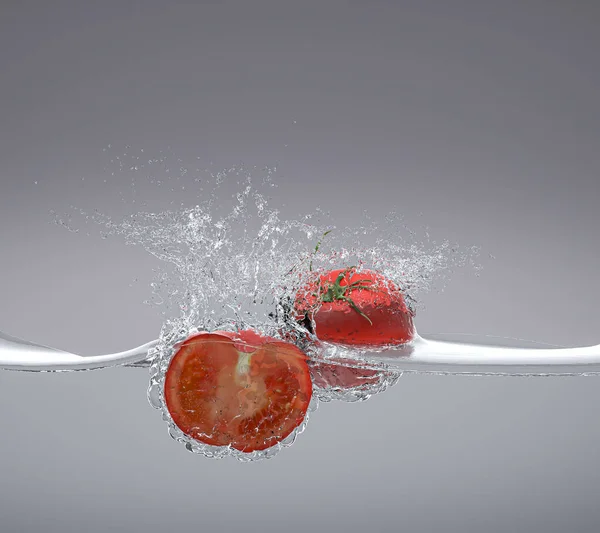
column 232, row 259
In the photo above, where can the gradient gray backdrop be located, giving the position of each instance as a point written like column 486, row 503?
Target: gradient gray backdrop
column 478, row 119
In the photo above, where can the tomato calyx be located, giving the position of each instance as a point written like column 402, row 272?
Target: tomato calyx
column 337, row 292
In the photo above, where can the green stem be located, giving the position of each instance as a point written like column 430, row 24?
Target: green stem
column 310, row 266
column 355, row 307
column 335, row 291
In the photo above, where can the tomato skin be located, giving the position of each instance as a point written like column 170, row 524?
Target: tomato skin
column 241, row 389
column 389, row 321
column 246, row 340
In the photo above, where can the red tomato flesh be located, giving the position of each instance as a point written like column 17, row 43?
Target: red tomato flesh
column 242, row 390
column 355, row 308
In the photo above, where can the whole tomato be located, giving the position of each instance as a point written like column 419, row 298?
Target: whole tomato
column 354, row 308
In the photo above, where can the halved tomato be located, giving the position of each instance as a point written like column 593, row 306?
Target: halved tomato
column 242, row 390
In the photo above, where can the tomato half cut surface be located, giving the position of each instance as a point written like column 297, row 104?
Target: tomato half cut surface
column 241, row 390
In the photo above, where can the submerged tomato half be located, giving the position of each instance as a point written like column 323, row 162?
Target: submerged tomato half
column 355, row 308
column 242, row 390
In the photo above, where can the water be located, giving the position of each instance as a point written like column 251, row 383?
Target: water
column 233, row 261
column 20, row 354
column 429, row 354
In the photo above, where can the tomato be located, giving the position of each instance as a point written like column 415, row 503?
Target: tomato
column 326, row 376
column 242, row 390
column 354, row 308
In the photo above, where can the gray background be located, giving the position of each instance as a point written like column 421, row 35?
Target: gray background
column 478, row 119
